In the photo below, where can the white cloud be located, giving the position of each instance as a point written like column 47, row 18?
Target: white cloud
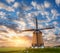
column 21, row 24
column 49, row 36
column 9, row 1
column 40, row 6
column 17, row 13
column 41, row 10
column 16, row 4
column 57, row 2
column 49, row 16
column 25, row 7
column 34, row 4
column 9, row 8
column 33, row 14
column 2, row 13
column 47, row 4
column 4, row 6
column 37, row 6
column 55, row 23
column 54, row 13
column 28, row 18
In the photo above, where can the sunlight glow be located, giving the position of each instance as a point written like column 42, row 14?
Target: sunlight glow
column 21, row 43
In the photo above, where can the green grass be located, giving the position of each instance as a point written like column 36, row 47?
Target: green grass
column 11, row 50
column 45, row 50
column 29, row 50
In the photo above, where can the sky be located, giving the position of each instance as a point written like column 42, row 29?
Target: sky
column 16, row 15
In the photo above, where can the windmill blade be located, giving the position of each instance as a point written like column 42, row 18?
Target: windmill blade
column 47, row 28
column 27, row 30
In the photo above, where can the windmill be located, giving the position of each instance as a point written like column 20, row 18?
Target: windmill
column 37, row 40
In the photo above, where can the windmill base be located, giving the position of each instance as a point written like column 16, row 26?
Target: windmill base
column 36, row 46
column 37, row 40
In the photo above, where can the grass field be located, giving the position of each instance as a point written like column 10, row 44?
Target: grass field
column 23, row 50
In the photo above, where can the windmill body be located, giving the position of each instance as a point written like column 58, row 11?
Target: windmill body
column 37, row 40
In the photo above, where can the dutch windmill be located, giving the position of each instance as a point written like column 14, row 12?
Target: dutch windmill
column 37, row 40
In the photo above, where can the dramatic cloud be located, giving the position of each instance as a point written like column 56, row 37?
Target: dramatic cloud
column 47, row 4
column 57, row 2
column 54, row 14
column 16, row 4
column 9, row 1
column 2, row 13
column 20, row 16
column 5, row 7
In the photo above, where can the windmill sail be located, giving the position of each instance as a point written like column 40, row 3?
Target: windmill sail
column 47, row 28
column 27, row 30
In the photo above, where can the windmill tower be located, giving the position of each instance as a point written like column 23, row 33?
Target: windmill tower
column 37, row 40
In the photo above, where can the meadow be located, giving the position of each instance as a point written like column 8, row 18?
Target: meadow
column 29, row 50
